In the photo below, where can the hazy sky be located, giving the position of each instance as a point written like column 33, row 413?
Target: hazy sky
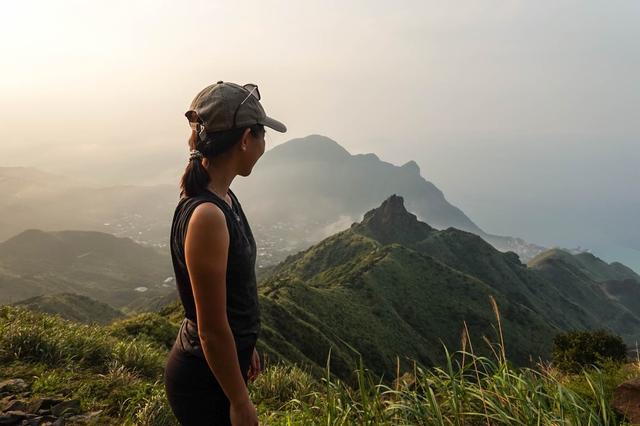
column 525, row 114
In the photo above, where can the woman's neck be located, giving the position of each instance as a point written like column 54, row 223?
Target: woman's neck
column 220, row 178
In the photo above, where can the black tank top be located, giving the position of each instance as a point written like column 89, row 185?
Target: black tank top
column 242, row 294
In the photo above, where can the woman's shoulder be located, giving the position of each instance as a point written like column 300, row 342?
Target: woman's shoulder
column 207, row 218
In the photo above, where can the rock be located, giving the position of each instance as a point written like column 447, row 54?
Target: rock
column 41, row 411
column 36, row 421
column 84, row 418
column 47, row 403
column 11, row 418
column 17, row 413
column 626, row 400
column 5, row 401
column 53, row 422
column 16, row 404
column 33, row 421
column 6, row 420
column 48, row 419
column 71, row 406
column 34, row 406
column 57, row 422
column 13, row 386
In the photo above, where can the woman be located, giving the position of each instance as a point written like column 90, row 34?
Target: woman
column 213, row 253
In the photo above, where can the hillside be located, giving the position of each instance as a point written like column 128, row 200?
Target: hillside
column 392, row 284
column 113, row 376
column 584, row 263
column 73, row 307
column 112, row 270
column 609, row 290
column 380, row 287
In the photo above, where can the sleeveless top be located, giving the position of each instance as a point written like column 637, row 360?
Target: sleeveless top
column 243, row 311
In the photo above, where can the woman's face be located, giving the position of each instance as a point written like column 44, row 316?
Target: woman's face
column 254, row 148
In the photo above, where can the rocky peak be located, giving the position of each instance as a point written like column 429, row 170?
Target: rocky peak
column 391, row 222
column 412, row 167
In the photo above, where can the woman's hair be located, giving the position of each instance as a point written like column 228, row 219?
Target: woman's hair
column 195, row 178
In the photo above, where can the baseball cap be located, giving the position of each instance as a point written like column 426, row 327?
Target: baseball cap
column 225, row 105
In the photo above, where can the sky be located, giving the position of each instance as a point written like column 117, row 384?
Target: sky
column 526, row 114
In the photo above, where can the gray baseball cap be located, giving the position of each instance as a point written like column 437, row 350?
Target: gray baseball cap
column 225, row 105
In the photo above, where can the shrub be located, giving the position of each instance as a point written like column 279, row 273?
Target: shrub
column 280, row 383
column 576, row 350
column 149, row 325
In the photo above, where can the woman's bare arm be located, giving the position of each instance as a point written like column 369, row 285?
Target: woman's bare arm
column 206, row 251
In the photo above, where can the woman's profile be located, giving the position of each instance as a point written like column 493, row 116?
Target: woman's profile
column 214, row 253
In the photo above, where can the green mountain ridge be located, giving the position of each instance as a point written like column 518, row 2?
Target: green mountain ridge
column 587, row 263
column 74, row 307
column 391, row 284
column 611, row 292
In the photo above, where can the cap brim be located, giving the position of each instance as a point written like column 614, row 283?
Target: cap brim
column 274, row 124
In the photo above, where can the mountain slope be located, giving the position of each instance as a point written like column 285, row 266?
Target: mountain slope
column 609, row 291
column 73, row 307
column 113, row 270
column 588, row 264
column 565, row 301
column 394, row 285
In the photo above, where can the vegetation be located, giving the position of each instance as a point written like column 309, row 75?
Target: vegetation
column 149, row 326
column 123, row 376
column 576, row 350
column 72, row 306
column 109, row 268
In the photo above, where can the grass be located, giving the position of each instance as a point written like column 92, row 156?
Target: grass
column 122, row 376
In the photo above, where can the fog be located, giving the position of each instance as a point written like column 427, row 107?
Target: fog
column 525, row 114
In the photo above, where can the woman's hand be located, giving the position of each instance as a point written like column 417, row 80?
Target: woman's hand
column 254, row 368
column 244, row 414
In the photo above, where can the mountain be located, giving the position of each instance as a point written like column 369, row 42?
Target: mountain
column 541, row 289
column 610, row 291
column 309, row 188
column 112, row 270
column 583, row 263
column 392, row 284
column 73, row 307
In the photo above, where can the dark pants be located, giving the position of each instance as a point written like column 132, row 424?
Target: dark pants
column 194, row 394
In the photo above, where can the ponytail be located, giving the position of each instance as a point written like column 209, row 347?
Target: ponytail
column 196, row 178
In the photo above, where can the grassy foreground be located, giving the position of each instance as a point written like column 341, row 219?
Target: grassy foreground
column 110, row 368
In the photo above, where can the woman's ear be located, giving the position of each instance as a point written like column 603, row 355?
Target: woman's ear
column 244, row 142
